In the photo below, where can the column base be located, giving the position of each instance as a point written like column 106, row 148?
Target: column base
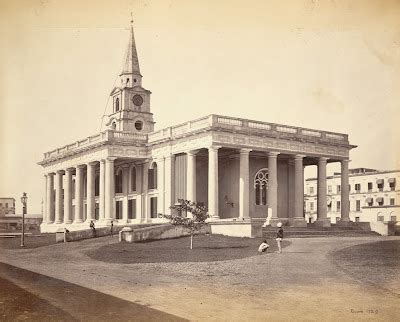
column 344, row 223
column 67, row 222
column 58, row 222
column 297, row 222
column 326, row 222
column 78, row 221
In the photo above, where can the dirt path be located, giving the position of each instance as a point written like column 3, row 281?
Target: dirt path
column 301, row 284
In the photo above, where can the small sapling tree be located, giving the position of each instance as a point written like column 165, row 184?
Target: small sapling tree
column 198, row 215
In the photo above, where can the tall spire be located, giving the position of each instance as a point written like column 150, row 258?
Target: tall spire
column 131, row 63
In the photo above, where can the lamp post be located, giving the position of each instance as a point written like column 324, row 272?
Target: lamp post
column 24, row 200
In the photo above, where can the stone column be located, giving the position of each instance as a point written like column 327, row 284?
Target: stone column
column 291, row 189
column 298, row 219
column 102, row 189
column 59, row 197
column 272, row 192
column 109, row 190
column 213, row 182
column 50, row 199
column 191, row 176
column 322, row 209
column 160, row 185
column 244, row 184
column 68, row 196
column 90, row 190
column 145, row 189
column 169, row 183
column 44, row 208
column 345, row 198
column 125, row 189
column 79, row 194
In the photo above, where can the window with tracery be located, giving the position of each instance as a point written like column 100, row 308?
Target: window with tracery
column 261, row 186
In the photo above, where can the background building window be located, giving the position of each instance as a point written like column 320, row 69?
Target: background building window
column 329, row 189
column 379, row 201
column 392, row 184
column 311, row 206
column 357, row 187
column 392, row 201
column 358, row 205
column 357, row 219
column 380, row 186
column 370, row 186
column 393, row 218
column 337, row 206
column 338, row 188
column 311, row 190
column 261, row 186
column 380, row 218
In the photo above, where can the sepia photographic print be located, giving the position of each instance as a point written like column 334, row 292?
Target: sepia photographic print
column 172, row 160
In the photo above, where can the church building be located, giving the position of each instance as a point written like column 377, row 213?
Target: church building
column 244, row 171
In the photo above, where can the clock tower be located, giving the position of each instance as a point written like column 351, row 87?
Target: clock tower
column 130, row 101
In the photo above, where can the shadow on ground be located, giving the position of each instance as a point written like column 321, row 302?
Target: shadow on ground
column 375, row 263
column 48, row 299
column 206, row 248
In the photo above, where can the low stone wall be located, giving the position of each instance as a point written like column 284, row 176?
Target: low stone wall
column 165, row 231
column 384, row 228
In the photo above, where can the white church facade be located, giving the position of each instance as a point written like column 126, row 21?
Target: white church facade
column 242, row 170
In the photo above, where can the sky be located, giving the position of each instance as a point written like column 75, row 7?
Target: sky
column 330, row 65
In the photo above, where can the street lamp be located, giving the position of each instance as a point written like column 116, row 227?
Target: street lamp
column 24, row 200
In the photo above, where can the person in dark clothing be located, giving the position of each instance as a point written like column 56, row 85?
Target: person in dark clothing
column 279, row 236
column 92, row 228
column 111, row 228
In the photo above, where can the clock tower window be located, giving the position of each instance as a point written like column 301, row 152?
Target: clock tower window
column 139, row 125
column 117, row 104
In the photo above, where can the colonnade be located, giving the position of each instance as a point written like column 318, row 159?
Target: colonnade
column 58, row 209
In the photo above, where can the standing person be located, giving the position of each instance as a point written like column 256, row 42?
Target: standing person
column 279, row 236
column 111, row 229
column 92, row 228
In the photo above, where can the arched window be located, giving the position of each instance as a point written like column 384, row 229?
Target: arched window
column 133, row 178
column 114, row 126
column 118, row 181
column 153, row 176
column 117, row 104
column 261, row 186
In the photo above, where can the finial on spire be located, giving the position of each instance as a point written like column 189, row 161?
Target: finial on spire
column 131, row 64
column 131, row 19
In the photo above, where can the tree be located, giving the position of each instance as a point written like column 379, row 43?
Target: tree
column 193, row 223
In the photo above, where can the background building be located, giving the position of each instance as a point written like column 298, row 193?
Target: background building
column 7, row 206
column 374, row 196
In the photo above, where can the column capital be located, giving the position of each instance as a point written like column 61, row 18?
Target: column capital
column 214, row 148
column 323, row 159
column 345, row 161
column 299, row 157
column 60, row 171
column 245, row 151
column 91, row 163
column 110, row 159
column 80, row 166
column 272, row 154
column 102, row 161
column 192, row 152
column 69, row 169
column 50, row 174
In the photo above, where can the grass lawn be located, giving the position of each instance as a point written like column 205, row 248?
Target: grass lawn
column 377, row 263
column 30, row 241
column 206, row 248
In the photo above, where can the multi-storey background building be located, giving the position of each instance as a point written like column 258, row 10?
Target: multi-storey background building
column 7, row 206
column 374, row 196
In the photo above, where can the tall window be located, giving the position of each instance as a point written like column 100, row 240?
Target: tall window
column 357, row 187
column 392, row 184
column 118, row 181
column 117, row 104
column 392, row 201
column 311, row 206
column 380, row 185
column 133, row 178
column 153, row 177
column 329, row 189
column 358, row 205
column 338, row 188
column 338, row 206
column 261, row 186
column 132, row 209
column 153, row 207
column 369, row 186
column 311, row 190
column 97, row 185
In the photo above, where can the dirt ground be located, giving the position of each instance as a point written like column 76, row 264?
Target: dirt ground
column 305, row 283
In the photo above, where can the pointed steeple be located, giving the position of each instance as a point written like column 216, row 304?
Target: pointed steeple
column 131, row 62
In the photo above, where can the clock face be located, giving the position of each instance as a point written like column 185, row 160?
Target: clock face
column 137, row 100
